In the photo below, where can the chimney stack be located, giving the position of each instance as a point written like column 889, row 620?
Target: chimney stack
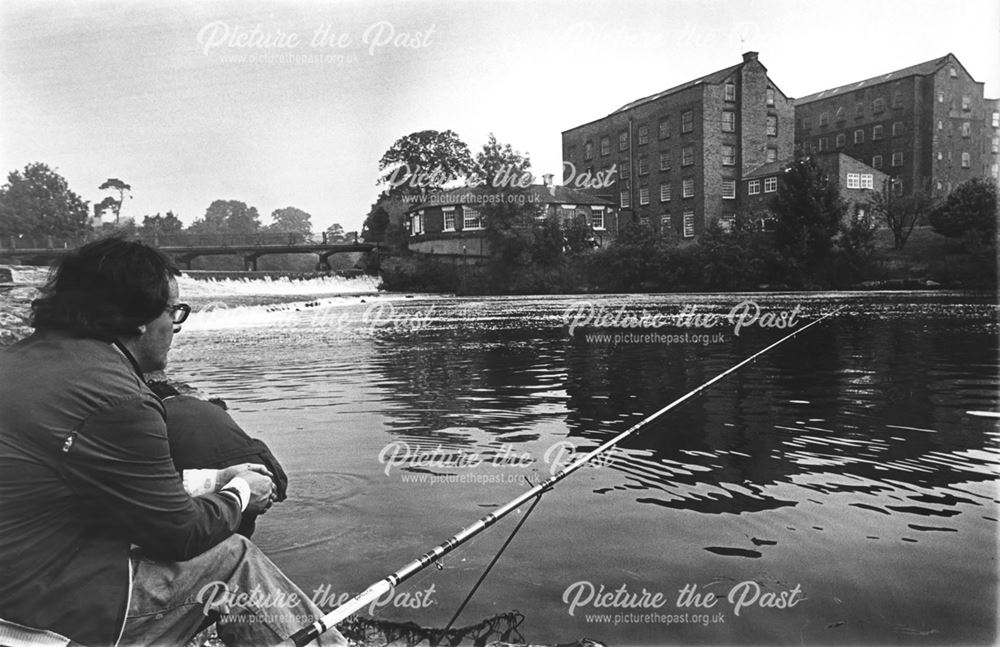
column 749, row 56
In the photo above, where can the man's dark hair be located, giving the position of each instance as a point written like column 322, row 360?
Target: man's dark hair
column 106, row 289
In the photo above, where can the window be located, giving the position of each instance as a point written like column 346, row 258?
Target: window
column 770, row 184
column 588, row 151
column 665, row 192
column 625, row 171
column 822, row 143
column 730, row 91
column 471, row 219
column 966, row 129
column 859, row 136
column 625, row 200
column 772, row 154
column 841, row 140
column 687, row 121
column 665, row 223
column 753, row 187
column 449, row 218
column 806, row 123
column 878, row 105
column 995, row 148
column 897, row 99
column 897, row 186
column 664, row 128
column 840, row 114
column 643, row 195
column 877, row 132
column 727, row 223
column 688, row 224
column 966, row 103
column 729, row 189
column 996, row 119
column 897, row 159
column 853, row 180
column 940, row 97
column 643, row 135
column 664, row 160
column 867, row 181
column 644, row 220
column 687, row 156
column 769, row 94
column 953, row 72
column 824, row 119
column 623, row 140
column 605, row 146
column 966, row 160
column 897, row 128
column 728, row 121
column 597, row 217
column 728, row 155
column 877, row 162
column 940, row 125
column 859, row 110
column 940, row 156
column 687, row 188
column 417, row 223
column 643, row 165
column 772, row 125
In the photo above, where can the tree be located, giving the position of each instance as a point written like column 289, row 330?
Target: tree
column 335, row 232
column 291, row 220
column 425, row 160
column 902, row 213
column 969, row 211
column 158, row 225
column 808, row 210
column 500, row 166
column 227, row 217
column 121, row 188
column 38, row 202
column 394, row 234
column 375, row 225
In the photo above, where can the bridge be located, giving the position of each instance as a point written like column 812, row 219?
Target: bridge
column 184, row 248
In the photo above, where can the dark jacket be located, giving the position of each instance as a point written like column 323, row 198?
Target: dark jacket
column 85, row 471
column 203, row 435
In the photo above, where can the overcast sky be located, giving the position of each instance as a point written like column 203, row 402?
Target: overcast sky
column 163, row 94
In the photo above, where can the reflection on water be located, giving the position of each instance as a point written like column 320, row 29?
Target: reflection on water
column 845, row 461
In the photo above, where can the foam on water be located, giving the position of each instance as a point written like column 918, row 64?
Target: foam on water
column 283, row 286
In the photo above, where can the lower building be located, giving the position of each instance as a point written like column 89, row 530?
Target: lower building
column 856, row 182
column 450, row 223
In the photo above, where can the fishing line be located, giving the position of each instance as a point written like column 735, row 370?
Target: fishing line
column 486, row 572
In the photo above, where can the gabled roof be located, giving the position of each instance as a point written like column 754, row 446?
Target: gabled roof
column 541, row 194
column 771, row 168
column 714, row 78
column 778, row 167
column 920, row 69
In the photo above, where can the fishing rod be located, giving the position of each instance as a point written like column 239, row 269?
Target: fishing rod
column 386, row 584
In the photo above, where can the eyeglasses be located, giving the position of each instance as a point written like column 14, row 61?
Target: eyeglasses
column 179, row 312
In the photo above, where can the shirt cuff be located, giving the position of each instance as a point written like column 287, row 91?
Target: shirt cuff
column 241, row 489
column 200, row 482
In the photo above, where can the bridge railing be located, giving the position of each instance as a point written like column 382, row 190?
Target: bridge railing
column 13, row 243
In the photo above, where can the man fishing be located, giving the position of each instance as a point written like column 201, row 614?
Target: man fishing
column 99, row 541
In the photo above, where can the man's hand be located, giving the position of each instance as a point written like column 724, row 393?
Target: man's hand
column 227, row 474
column 261, row 491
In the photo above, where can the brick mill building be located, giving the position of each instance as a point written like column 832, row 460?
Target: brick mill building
column 681, row 155
column 927, row 126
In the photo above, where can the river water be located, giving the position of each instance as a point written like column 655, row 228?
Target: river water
column 841, row 489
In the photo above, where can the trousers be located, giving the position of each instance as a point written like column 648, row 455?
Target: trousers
column 233, row 584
